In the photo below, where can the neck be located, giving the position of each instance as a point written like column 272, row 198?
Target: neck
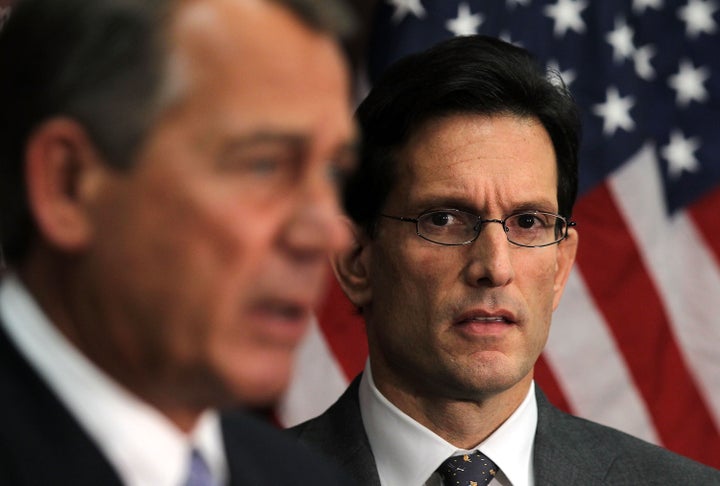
column 69, row 302
column 464, row 423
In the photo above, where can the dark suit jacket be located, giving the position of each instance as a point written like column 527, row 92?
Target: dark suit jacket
column 42, row 444
column 568, row 450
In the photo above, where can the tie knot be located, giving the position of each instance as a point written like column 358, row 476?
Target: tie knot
column 468, row 470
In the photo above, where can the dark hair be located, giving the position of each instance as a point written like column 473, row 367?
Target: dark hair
column 465, row 75
column 103, row 63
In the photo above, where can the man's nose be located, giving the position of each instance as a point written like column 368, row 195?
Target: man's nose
column 317, row 225
column 490, row 263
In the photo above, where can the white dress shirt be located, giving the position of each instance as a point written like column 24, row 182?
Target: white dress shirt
column 145, row 448
column 407, row 453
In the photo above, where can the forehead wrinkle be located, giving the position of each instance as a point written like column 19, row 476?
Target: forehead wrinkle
column 208, row 33
column 443, row 166
column 211, row 53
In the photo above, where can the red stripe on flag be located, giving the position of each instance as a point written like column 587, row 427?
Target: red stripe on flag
column 630, row 304
column 706, row 214
column 550, row 386
column 344, row 330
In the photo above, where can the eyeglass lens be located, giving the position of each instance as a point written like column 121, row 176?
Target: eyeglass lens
column 454, row 227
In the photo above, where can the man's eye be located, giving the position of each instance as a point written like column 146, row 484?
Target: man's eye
column 267, row 169
column 263, row 166
column 527, row 221
column 442, row 218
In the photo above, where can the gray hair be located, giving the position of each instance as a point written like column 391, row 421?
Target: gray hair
column 103, row 63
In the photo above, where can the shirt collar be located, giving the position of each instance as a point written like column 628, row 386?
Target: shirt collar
column 140, row 442
column 407, row 452
column 511, row 445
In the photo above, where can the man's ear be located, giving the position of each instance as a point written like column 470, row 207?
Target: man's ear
column 351, row 267
column 566, row 252
column 61, row 165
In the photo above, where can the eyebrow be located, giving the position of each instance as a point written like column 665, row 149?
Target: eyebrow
column 299, row 141
column 263, row 137
column 464, row 204
column 546, row 206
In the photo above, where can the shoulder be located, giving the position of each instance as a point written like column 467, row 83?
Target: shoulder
column 342, row 421
column 259, row 453
column 339, row 434
column 35, row 426
column 612, row 454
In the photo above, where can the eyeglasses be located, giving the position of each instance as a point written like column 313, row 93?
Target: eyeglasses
column 453, row 227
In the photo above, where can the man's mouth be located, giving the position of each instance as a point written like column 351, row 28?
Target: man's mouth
column 281, row 321
column 482, row 323
column 485, row 317
column 286, row 310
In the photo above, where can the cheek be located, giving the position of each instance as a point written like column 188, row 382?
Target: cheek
column 403, row 275
column 186, row 252
column 224, row 237
column 409, row 292
column 537, row 281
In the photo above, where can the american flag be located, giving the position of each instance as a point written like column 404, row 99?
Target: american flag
column 635, row 343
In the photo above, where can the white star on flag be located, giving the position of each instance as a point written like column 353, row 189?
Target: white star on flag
column 688, row 83
column 639, row 6
column 466, row 23
column 566, row 14
column 621, row 40
column 641, row 58
column 567, row 76
column 507, row 37
column 698, row 17
column 404, row 7
column 514, row 3
column 615, row 112
column 680, row 154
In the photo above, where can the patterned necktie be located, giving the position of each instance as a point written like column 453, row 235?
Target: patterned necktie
column 468, row 470
column 198, row 473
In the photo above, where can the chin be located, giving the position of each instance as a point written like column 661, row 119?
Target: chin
column 253, row 374
column 261, row 386
column 261, row 396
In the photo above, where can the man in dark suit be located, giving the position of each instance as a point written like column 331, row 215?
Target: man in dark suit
column 170, row 174
column 464, row 241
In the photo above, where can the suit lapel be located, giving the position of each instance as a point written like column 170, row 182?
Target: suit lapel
column 563, row 452
column 339, row 434
column 42, row 443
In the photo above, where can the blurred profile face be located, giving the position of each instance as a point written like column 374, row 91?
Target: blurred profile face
column 464, row 322
column 213, row 247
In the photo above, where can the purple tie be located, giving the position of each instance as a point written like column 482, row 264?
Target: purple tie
column 199, row 473
column 468, row 470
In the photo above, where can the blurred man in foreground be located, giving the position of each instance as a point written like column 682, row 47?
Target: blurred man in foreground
column 170, row 174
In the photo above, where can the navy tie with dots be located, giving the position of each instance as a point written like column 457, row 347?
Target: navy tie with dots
column 468, row 470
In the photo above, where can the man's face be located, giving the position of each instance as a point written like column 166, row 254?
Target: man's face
column 212, row 249
column 464, row 322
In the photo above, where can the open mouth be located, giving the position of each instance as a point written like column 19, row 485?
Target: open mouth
column 485, row 320
column 288, row 311
column 483, row 323
column 280, row 322
column 479, row 316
